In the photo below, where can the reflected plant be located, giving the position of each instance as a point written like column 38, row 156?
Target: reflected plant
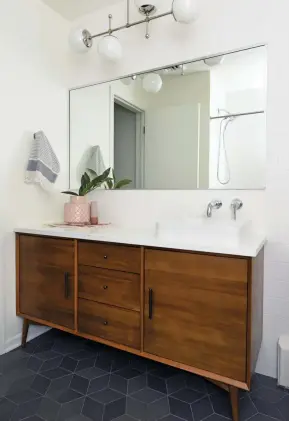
column 112, row 184
column 90, row 182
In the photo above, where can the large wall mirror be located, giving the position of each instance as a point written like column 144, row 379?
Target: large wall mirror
column 197, row 125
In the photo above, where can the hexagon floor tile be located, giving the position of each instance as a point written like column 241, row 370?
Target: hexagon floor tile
column 60, row 377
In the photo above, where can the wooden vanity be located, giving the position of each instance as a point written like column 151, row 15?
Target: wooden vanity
column 199, row 312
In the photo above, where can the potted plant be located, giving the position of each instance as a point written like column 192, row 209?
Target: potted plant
column 77, row 211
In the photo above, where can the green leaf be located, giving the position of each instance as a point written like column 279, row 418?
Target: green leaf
column 113, row 176
column 96, row 182
column 122, row 183
column 110, row 183
column 72, row 193
column 92, row 172
column 85, row 180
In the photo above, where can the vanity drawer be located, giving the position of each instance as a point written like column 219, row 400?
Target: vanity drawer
column 109, row 256
column 204, row 267
column 121, row 289
column 111, row 323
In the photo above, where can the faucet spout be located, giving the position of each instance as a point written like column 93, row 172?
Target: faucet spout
column 214, row 204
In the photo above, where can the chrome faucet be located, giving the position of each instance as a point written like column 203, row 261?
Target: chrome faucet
column 235, row 206
column 214, row 204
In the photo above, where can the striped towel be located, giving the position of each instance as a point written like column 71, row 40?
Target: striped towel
column 43, row 166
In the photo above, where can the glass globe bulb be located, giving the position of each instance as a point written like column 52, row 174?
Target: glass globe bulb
column 152, row 83
column 80, row 40
column 185, row 11
column 110, row 48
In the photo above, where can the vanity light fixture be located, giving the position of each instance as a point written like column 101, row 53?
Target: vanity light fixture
column 81, row 40
column 185, row 11
column 109, row 46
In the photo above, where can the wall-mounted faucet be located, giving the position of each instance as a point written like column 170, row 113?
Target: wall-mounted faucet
column 214, row 204
column 235, row 206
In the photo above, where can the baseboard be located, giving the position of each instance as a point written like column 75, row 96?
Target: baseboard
column 15, row 342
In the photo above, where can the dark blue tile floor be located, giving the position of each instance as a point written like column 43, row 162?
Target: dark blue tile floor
column 59, row 377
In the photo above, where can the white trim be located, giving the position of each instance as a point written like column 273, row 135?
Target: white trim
column 2, row 301
column 199, row 144
column 15, row 342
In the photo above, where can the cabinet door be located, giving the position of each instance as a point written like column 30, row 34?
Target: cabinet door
column 196, row 310
column 46, row 279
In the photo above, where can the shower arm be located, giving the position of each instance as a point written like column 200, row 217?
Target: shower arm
column 237, row 115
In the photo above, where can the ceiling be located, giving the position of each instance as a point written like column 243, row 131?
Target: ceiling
column 73, row 9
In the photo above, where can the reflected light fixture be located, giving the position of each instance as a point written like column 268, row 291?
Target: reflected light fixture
column 214, row 61
column 81, row 40
column 152, row 83
column 127, row 81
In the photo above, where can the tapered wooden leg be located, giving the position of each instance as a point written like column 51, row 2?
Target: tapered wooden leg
column 25, row 332
column 234, row 396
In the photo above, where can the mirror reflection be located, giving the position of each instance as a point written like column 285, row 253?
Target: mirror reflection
column 199, row 125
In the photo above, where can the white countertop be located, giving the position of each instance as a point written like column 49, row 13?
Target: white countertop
column 249, row 245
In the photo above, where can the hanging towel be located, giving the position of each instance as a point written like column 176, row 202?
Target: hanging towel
column 95, row 160
column 43, row 166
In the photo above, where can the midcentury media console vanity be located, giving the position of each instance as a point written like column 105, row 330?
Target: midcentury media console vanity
column 189, row 307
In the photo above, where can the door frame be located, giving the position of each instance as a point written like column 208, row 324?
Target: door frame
column 2, row 299
column 140, row 138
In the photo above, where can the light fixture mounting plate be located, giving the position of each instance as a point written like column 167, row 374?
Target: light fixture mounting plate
column 87, row 38
column 147, row 9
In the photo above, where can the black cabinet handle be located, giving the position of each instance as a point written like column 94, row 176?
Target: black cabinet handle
column 105, row 323
column 105, row 257
column 150, row 304
column 105, row 287
column 66, row 285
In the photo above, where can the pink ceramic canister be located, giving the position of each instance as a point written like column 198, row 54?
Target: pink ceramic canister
column 77, row 211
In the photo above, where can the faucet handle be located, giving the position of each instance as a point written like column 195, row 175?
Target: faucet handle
column 216, row 204
column 236, row 205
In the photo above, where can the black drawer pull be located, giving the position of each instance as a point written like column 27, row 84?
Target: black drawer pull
column 105, row 257
column 66, row 285
column 105, row 287
column 150, row 304
column 105, row 323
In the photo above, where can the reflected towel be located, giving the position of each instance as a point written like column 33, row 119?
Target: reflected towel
column 95, row 160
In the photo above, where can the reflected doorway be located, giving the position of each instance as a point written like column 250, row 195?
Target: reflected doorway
column 129, row 137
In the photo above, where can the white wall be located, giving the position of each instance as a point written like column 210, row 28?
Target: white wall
column 242, row 141
column 34, row 61
column 223, row 26
column 90, row 110
column 92, row 122
column 175, row 130
column 239, row 86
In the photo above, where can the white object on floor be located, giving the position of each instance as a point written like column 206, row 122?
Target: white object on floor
column 43, row 166
column 283, row 361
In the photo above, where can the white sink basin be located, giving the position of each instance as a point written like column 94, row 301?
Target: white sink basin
column 203, row 231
